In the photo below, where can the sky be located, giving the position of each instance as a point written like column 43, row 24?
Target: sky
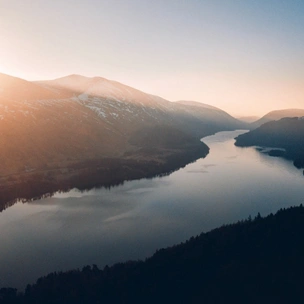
column 243, row 56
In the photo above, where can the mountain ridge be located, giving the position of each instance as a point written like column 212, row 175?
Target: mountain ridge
column 67, row 124
column 286, row 133
column 260, row 260
column 276, row 115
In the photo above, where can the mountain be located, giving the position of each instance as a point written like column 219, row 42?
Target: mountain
column 14, row 90
column 209, row 118
column 113, row 100
column 276, row 115
column 258, row 260
column 43, row 128
column 286, row 133
column 79, row 131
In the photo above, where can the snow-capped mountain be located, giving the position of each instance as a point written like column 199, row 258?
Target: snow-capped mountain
column 53, row 128
column 119, row 104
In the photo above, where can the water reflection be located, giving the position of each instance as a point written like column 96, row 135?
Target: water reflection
column 130, row 221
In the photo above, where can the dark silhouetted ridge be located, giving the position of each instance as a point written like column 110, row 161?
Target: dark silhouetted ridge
column 258, row 260
column 287, row 133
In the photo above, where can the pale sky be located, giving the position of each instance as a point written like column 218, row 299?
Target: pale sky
column 244, row 56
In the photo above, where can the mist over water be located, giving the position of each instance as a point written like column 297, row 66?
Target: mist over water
column 131, row 221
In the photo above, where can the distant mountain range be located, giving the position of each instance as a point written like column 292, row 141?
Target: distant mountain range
column 286, row 133
column 276, row 115
column 80, row 131
column 114, row 102
column 54, row 131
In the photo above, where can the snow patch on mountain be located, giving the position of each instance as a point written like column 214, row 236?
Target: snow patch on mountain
column 97, row 110
column 83, row 97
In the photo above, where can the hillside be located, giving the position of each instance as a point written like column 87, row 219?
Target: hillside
column 119, row 103
column 252, row 261
column 277, row 115
column 82, row 132
column 287, row 133
column 208, row 118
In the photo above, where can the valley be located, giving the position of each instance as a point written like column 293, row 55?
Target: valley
column 151, row 152
column 130, row 221
column 86, row 159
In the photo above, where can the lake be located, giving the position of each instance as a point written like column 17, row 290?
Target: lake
column 130, row 221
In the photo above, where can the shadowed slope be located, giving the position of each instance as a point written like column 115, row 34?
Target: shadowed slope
column 287, row 133
column 276, row 115
column 252, row 261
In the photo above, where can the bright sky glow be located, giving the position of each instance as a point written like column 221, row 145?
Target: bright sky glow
column 245, row 57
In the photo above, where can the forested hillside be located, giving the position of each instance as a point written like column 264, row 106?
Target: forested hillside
column 258, row 260
column 287, row 133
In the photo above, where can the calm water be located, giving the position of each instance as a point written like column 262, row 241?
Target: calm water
column 131, row 221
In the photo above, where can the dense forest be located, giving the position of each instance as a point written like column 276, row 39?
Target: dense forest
column 258, row 260
column 286, row 133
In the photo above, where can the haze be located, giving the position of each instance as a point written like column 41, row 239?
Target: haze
column 245, row 57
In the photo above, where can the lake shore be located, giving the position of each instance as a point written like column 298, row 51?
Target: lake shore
column 106, row 172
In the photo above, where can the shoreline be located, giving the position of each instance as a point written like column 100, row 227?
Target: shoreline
column 105, row 172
